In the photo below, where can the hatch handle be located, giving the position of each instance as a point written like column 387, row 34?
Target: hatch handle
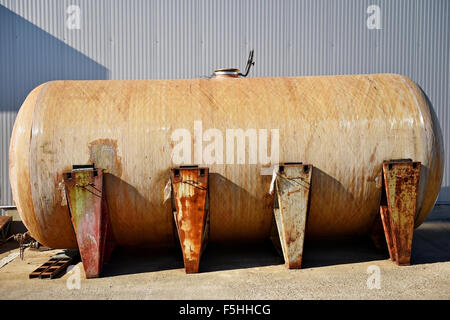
column 250, row 63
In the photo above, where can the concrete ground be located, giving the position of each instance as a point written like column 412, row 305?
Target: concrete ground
column 332, row 270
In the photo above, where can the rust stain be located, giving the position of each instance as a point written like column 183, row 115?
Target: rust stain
column 372, row 156
column 103, row 152
column 46, row 148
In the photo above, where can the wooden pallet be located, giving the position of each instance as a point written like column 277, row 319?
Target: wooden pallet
column 53, row 268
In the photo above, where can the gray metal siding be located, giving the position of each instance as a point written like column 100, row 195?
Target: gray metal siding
column 140, row 39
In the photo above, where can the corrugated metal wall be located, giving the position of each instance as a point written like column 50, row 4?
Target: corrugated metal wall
column 140, row 39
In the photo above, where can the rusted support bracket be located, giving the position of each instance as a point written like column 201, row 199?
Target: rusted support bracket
column 292, row 190
column 398, row 207
column 90, row 217
column 191, row 212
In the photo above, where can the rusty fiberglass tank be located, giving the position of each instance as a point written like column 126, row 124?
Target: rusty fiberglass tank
column 345, row 126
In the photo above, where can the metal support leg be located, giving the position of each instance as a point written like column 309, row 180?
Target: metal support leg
column 292, row 189
column 191, row 212
column 398, row 207
column 90, row 217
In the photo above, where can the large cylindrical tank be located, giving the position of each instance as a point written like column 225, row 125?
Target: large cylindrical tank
column 345, row 126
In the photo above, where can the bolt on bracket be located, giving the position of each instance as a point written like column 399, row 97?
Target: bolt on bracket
column 90, row 217
column 291, row 204
column 398, row 207
column 190, row 201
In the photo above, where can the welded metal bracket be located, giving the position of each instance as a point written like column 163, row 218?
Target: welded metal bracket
column 191, row 212
column 292, row 192
column 90, row 217
column 398, row 207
